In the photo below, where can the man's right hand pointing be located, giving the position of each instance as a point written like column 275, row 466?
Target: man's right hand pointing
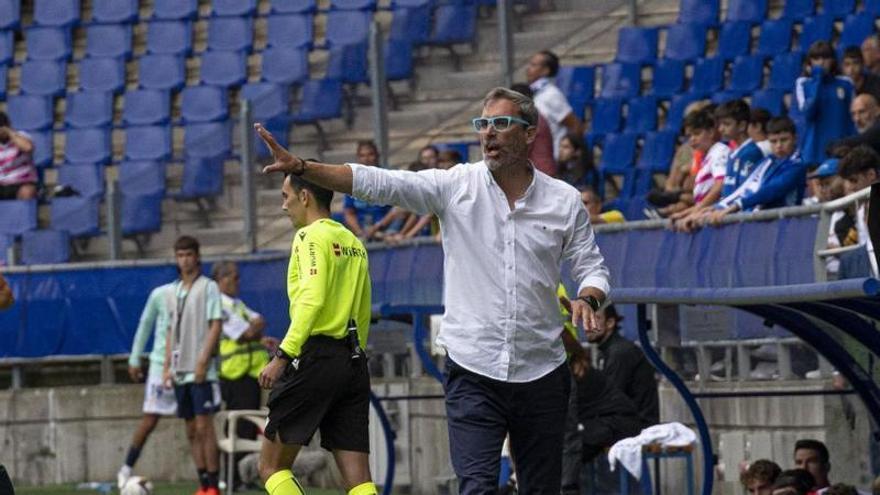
column 285, row 161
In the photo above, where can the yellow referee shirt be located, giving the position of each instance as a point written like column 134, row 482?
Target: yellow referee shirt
column 328, row 282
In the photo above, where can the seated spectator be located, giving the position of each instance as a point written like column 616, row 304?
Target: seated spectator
column 541, row 151
column 576, row 163
column 551, row 102
column 759, row 477
column 360, row 215
column 427, row 158
column 448, row 159
column 859, row 169
column 828, row 186
column 812, row 455
column 733, row 121
column 824, row 98
column 758, row 119
column 863, row 81
column 841, row 489
column 793, row 482
column 18, row 175
column 871, row 54
column 865, row 112
column 593, row 203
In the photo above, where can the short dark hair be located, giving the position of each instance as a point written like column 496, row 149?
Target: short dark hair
column 523, row 89
column 760, row 116
column 855, row 53
column 4, row 120
column 186, row 243
column 222, row 269
column 737, row 110
column 859, row 159
column 551, row 61
column 823, row 49
column 762, row 470
column 799, row 479
column 841, row 489
column 367, row 143
column 700, row 119
column 322, row 195
column 778, row 125
column 812, row 444
column 610, row 311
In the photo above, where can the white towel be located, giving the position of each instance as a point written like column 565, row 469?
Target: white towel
column 629, row 450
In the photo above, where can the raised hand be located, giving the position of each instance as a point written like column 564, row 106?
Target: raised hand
column 285, row 161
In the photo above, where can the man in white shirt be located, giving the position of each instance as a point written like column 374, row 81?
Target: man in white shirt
column 551, row 102
column 505, row 231
column 859, row 169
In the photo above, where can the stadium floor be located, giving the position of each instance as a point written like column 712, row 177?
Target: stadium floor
column 160, row 489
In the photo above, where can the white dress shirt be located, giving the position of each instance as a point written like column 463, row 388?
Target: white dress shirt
column 501, row 267
column 554, row 107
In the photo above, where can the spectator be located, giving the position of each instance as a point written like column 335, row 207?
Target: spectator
column 758, row 120
column 576, row 163
column 863, row 81
column 18, row 175
column 6, row 298
column 360, row 215
column 758, row 479
column 875, row 486
column 448, row 159
column 733, row 122
column 828, row 186
column 551, row 103
column 793, row 482
column 871, row 54
column 859, row 169
column 841, row 489
column 427, row 158
column 812, row 455
column 541, row 151
column 824, row 98
column 593, row 204
column 865, row 112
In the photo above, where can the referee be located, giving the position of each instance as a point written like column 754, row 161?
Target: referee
column 319, row 373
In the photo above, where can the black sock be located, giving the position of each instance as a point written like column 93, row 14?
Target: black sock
column 213, row 479
column 132, row 457
column 203, row 478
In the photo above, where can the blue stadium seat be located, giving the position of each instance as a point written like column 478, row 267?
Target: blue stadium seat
column 636, row 183
column 3, row 71
column 289, row 31
column 207, row 139
column 770, row 100
column 746, row 74
column 685, row 42
column 668, row 78
column 658, row 149
column 321, row 99
column 618, row 153
column 411, row 23
column 348, row 63
column 146, row 107
column 268, row 101
column 856, row 28
column 169, row 37
column 285, row 65
column 775, row 37
column 48, row 43
column 89, row 109
column 148, row 142
column 620, row 80
column 165, row 72
column 839, row 8
column 77, row 215
column 175, row 10
column 753, row 11
column 398, row 59
column 43, row 148
column 30, row 112
column 45, row 247
column 409, row 4
column 203, row 104
column 102, row 74
column 114, row 11
column 231, row 33
column 605, row 117
column 641, row 115
column 142, row 178
column 43, row 77
column 202, row 178
column 577, row 83
column 280, row 129
column 10, row 14
column 239, row 8
column 869, row 6
column 734, row 40
column 797, row 10
column 89, row 145
column 7, row 47
column 353, row 5
column 703, row 12
column 785, row 70
column 141, row 214
column 820, row 27
column 453, row 24
column 108, row 40
column 675, row 114
column 347, row 27
column 17, row 217
column 225, row 69
column 85, row 179
column 56, row 12
column 6, row 242
column 636, row 45
column 708, row 77
column 292, row 6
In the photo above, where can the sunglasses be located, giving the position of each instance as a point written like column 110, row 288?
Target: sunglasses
column 500, row 123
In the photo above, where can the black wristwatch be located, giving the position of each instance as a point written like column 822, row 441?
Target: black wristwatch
column 592, row 302
column 280, row 354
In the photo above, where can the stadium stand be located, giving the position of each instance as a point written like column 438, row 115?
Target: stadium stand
column 149, row 142
column 102, row 74
column 224, row 68
column 45, row 247
column 89, row 109
column 685, row 42
column 108, row 40
column 48, row 43
column 114, row 11
column 61, row 13
column 146, row 107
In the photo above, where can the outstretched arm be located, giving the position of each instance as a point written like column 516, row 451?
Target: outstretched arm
column 334, row 177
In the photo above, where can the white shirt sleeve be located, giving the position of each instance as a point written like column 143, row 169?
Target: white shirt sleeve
column 553, row 105
column 580, row 250
column 718, row 158
column 422, row 192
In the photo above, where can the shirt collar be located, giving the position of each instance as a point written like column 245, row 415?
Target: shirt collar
column 490, row 179
column 539, row 84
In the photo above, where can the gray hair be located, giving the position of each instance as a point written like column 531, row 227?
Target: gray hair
column 222, row 269
column 527, row 109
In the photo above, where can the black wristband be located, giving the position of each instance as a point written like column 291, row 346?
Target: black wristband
column 302, row 168
column 280, row 354
column 592, row 302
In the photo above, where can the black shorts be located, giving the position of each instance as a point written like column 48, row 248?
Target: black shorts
column 324, row 388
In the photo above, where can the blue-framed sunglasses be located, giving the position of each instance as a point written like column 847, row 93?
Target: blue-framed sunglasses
column 500, row 123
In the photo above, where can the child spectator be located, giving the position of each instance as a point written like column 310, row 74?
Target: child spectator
column 828, row 186
column 576, row 163
column 360, row 215
column 733, row 122
column 758, row 119
column 758, row 479
column 703, row 136
column 793, row 482
column 593, row 203
column 854, row 68
column 859, row 169
column 824, row 98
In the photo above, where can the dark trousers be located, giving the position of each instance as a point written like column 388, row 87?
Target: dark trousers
column 240, row 394
column 482, row 411
column 572, row 448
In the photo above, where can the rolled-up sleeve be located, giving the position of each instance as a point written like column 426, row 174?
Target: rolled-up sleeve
column 587, row 264
column 421, row 192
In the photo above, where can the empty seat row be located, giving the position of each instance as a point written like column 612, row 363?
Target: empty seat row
column 707, row 12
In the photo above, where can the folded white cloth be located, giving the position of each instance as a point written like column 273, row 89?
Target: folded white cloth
column 629, row 450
